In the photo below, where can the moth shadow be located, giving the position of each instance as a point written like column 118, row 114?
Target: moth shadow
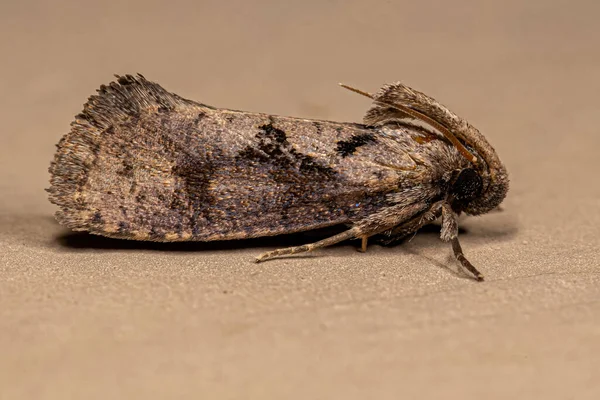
column 451, row 265
column 506, row 230
column 83, row 240
column 392, row 241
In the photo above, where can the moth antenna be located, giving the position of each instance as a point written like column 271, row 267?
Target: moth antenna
column 420, row 116
column 355, row 90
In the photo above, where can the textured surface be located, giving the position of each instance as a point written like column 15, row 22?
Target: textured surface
column 86, row 317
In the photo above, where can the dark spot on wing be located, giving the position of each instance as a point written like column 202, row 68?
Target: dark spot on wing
column 123, row 226
column 178, row 229
column 95, row 148
column 127, row 170
column 195, row 176
column 230, row 117
column 274, row 149
column 196, row 216
column 141, row 197
column 199, row 117
column 318, row 127
column 155, row 234
column 192, row 195
column 132, row 187
column 269, row 131
column 348, row 147
column 97, row 218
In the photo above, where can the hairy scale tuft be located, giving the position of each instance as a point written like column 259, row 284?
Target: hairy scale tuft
column 125, row 99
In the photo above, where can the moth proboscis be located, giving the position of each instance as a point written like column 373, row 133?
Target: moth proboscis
column 142, row 163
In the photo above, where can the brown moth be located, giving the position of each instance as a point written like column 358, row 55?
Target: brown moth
column 142, row 163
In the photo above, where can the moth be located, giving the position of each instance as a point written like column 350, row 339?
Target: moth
column 142, row 163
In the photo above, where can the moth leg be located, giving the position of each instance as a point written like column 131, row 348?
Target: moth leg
column 363, row 246
column 371, row 225
column 458, row 253
column 450, row 233
column 340, row 237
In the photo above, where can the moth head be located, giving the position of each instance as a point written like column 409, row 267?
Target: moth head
column 493, row 175
column 494, row 180
column 481, row 187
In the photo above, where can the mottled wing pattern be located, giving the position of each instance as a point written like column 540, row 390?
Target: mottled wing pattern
column 142, row 163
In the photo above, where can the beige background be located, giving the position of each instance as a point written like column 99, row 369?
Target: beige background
column 82, row 317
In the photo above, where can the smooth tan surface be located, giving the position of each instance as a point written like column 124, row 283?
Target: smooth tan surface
column 87, row 318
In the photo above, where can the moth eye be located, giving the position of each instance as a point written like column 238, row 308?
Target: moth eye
column 467, row 186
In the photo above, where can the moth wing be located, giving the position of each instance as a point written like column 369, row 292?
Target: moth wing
column 143, row 163
column 113, row 149
column 280, row 175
